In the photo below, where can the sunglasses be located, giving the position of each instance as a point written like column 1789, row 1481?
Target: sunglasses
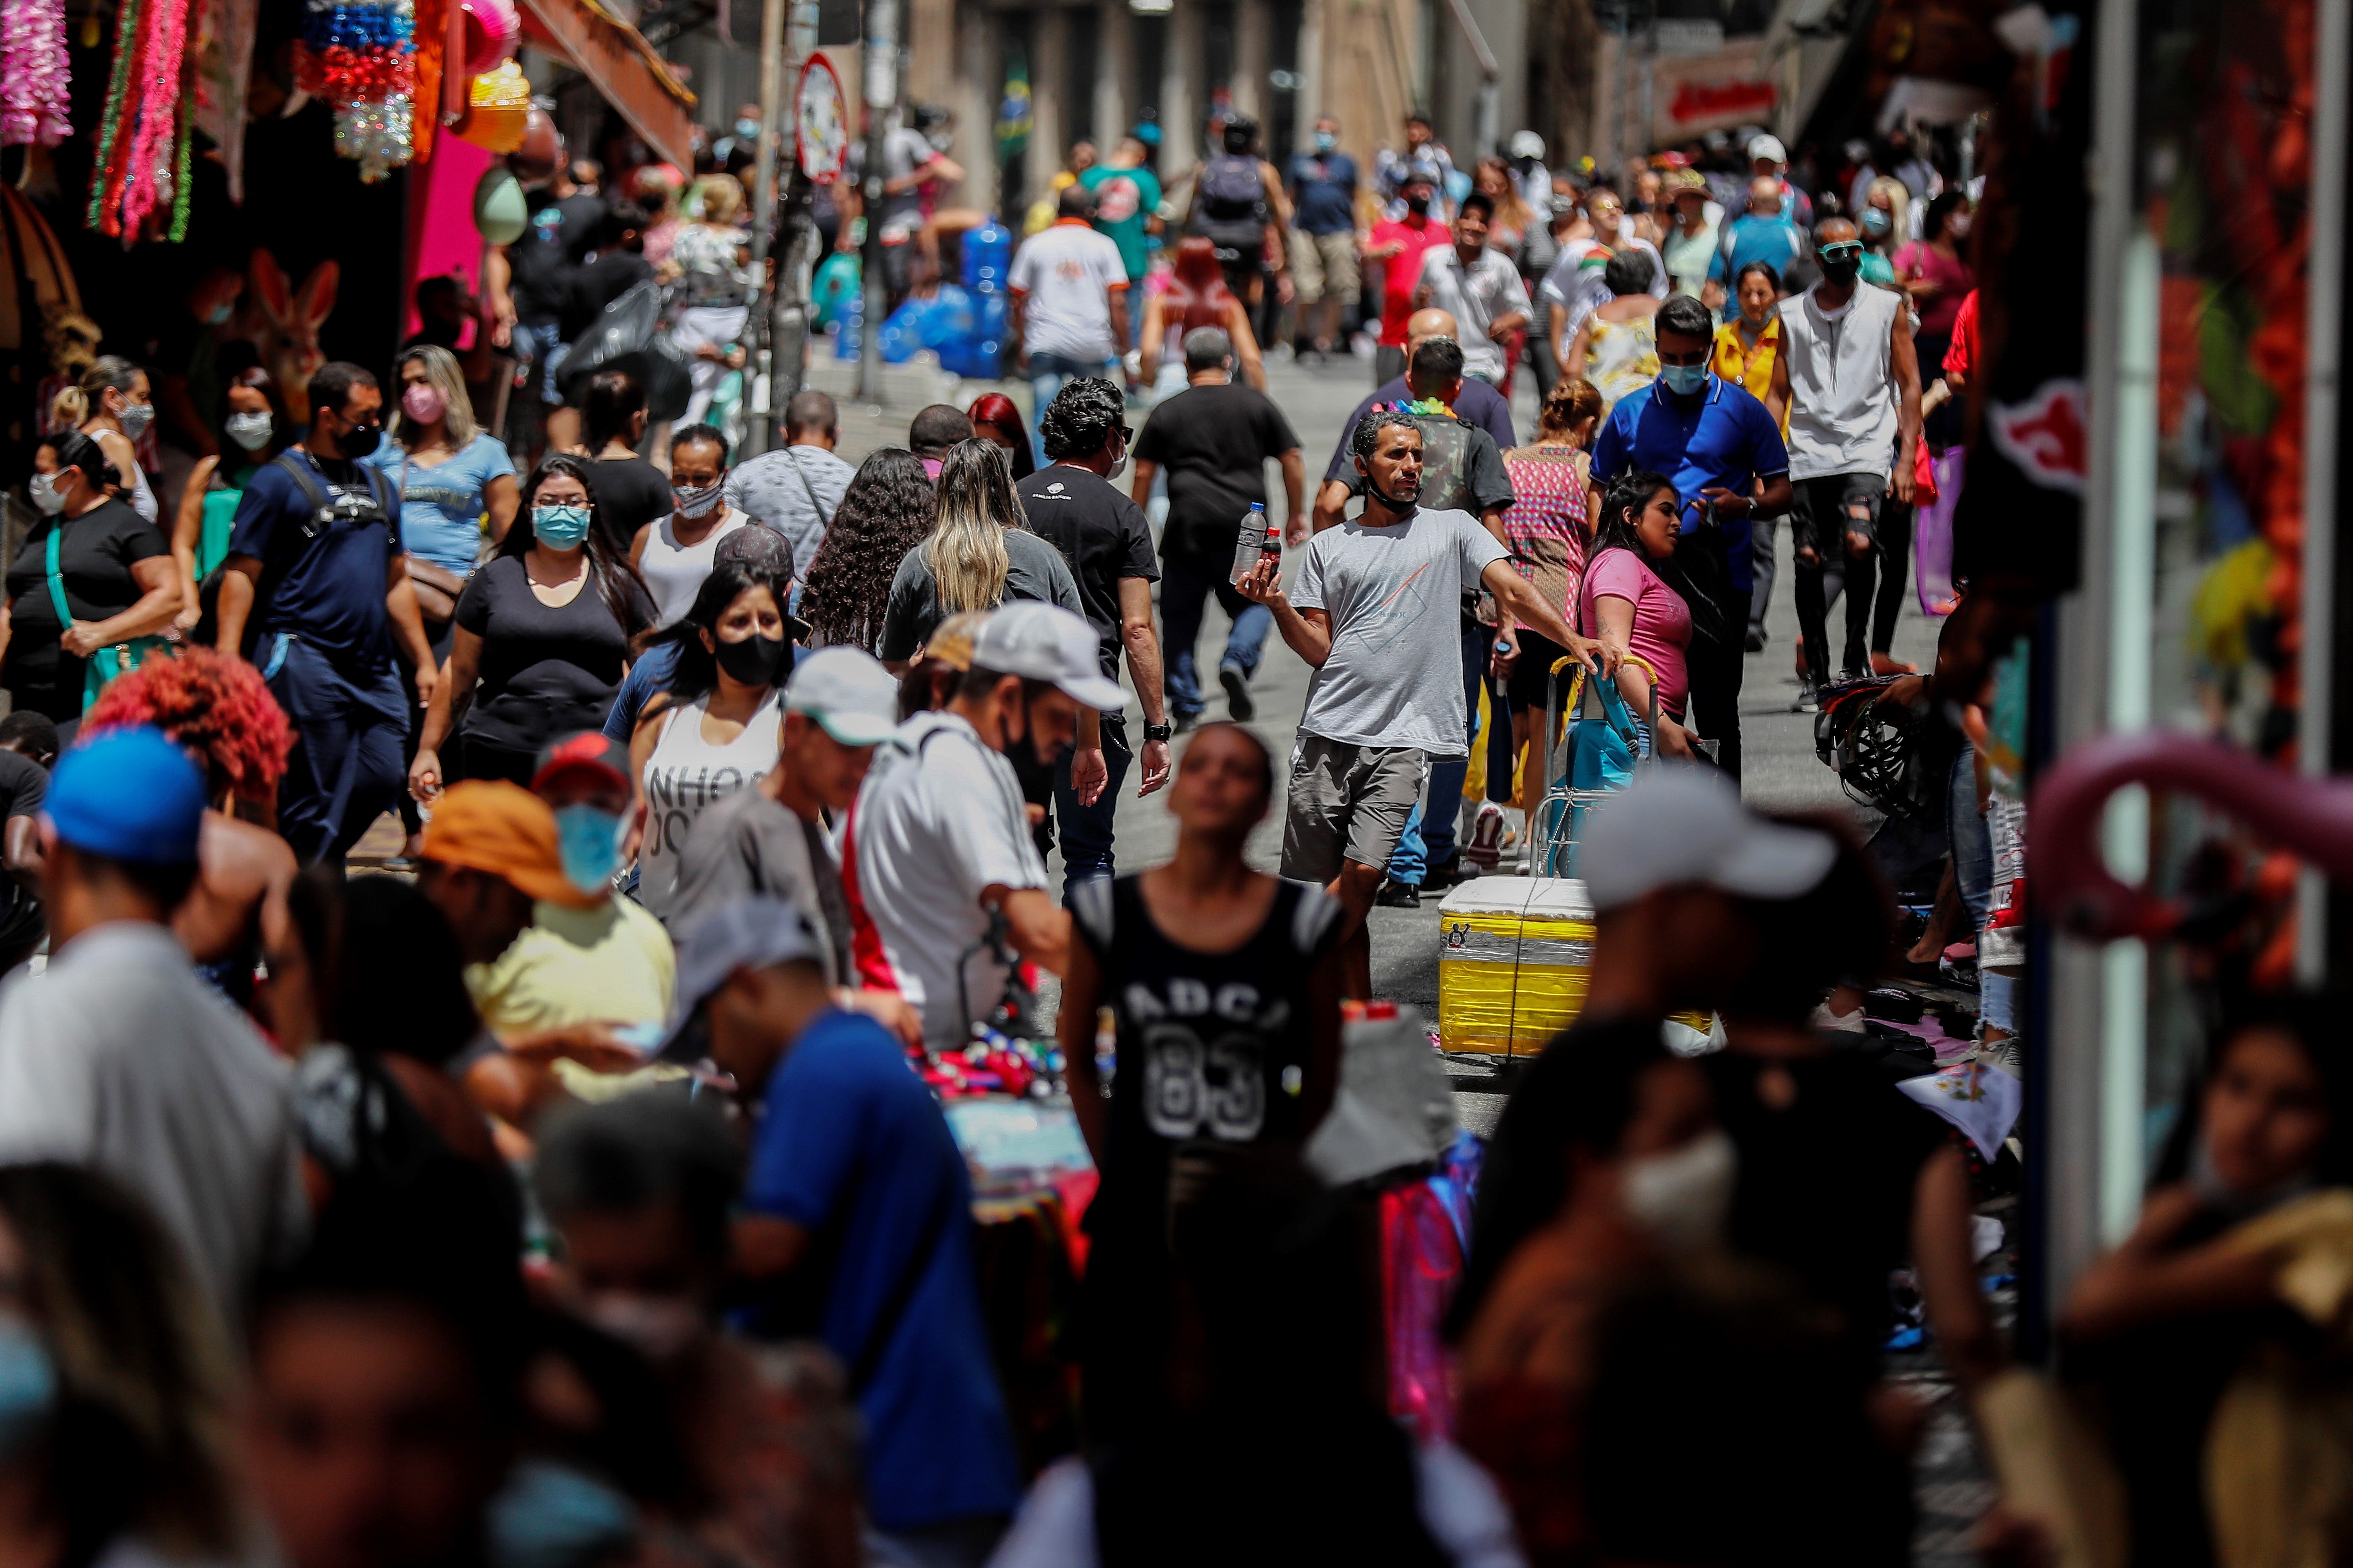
column 1842, row 250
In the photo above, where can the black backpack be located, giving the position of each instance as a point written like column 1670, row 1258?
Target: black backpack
column 1233, row 201
column 324, row 513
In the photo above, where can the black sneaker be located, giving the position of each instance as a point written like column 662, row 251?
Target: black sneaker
column 1178, row 723
column 1809, row 699
column 1444, row 873
column 1397, row 895
column 1755, row 640
column 1238, row 705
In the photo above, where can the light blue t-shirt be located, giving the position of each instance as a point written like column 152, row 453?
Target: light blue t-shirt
column 442, row 503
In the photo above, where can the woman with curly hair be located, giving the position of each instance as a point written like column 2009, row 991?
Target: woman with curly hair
column 214, row 707
column 887, row 511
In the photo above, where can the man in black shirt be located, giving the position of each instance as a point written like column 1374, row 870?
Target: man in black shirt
column 1103, row 536
column 566, row 223
column 28, row 744
column 1214, row 438
column 316, row 564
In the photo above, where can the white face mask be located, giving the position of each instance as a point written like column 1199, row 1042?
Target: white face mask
column 44, row 489
column 250, row 430
column 1683, row 1197
column 659, row 1328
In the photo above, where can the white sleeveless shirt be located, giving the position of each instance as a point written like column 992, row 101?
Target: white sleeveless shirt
column 674, row 572
column 687, row 774
column 1843, row 417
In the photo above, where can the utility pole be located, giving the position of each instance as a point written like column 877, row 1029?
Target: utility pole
column 881, row 106
column 758, row 413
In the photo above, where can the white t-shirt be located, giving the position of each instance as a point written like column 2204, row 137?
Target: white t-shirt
column 1394, row 677
column 118, row 1058
column 686, row 774
column 674, row 572
column 939, row 818
column 1459, row 1502
column 1064, row 274
column 1476, row 297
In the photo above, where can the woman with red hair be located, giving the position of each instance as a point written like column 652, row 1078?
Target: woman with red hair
column 1197, row 296
column 217, row 710
column 997, row 417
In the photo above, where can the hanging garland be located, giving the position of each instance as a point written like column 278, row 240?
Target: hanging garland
column 150, row 181
column 33, row 73
column 113, row 139
column 360, row 55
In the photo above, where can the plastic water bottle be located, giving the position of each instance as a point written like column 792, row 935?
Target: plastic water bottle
column 1250, row 542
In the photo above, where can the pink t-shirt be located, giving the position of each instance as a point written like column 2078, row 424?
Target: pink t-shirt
column 1662, row 619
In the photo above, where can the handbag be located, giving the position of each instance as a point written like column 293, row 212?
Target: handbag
column 104, row 663
column 1597, row 756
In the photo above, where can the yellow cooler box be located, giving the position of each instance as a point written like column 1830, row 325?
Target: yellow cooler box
column 1513, row 956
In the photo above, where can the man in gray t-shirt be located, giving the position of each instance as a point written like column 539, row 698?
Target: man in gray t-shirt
column 1376, row 610
column 796, row 488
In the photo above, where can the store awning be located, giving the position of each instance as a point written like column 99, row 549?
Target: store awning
column 616, row 58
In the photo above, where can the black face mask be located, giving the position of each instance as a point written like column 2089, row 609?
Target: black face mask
column 1416, row 204
column 1395, row 503
column 358, row 440
column 756, row 660
column 1841, row 273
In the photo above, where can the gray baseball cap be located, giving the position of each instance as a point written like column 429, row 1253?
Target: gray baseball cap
column 1046, row 642
column 750, row 933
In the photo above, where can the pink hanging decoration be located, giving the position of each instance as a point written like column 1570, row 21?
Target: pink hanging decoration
column 151, row 179
column 33, row 72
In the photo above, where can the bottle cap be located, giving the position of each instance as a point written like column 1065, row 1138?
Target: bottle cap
column 1380, row 1010
column 1258, row 505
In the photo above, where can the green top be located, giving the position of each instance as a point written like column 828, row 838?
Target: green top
column 219, row 516
column 1125, row 200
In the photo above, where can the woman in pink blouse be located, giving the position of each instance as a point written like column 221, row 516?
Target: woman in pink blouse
column 1632, row 610
column 1547, row 526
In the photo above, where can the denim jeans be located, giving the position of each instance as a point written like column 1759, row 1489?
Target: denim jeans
column 1429, row 832
column 1973, row 875
column 1086, row 830
column 1047, row 375
column 1186, row 581
column 543, row 347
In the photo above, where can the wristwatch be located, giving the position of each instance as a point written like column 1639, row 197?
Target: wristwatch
column 1158, row 732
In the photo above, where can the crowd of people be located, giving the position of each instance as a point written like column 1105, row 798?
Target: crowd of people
column 575, row 1184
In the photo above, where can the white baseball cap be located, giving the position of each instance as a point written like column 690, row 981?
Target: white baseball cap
column 1768, row 146
column 848, row 692
column 1527, row 144
column 1686, row 826
column 1046, row 642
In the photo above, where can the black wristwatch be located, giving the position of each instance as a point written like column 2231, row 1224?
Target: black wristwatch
column 1158, row 732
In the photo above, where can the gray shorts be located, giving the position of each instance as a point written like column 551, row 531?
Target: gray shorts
column 1347, row 801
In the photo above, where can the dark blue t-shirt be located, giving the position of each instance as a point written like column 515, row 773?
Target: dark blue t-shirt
column 1725, row 439
column 648, row 678
column 328, row 590
column 847, row 1122
column 1326, row 186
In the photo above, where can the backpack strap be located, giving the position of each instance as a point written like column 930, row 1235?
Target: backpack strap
column 57, row 578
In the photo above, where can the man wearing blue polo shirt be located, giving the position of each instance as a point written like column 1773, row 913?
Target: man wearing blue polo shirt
column 1724, row 451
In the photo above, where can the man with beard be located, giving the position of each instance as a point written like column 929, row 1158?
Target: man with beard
column 1375, row 610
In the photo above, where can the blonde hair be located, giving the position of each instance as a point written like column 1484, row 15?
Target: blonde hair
column 722, row 200
column 966, row 550
column 1899, row 210
column 71, row 408
column 442, row 374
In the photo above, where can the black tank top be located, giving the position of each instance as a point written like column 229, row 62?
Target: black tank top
column 1205, row 1040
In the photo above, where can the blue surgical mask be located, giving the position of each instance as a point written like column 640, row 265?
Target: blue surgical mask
column 218, row 315
column 549, row 1515
column 1326, row 140
column 747, row 130
column 1877, row 220
column 589, row 839
column 28, row 1386
column 1683, row 379
column 559, row 527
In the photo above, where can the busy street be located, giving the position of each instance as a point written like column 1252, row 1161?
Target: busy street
column 1134, row 783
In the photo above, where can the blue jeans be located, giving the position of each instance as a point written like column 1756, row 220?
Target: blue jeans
column 1185, row 583
column 542, row 348
column 1973, row 876
column 1086, row 830
column 1429, row 832
column 348, row 725
column 1047, row 375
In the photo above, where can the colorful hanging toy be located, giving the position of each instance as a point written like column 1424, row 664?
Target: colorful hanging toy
column 143, row 133
column 33, row 72
column 360, row 57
